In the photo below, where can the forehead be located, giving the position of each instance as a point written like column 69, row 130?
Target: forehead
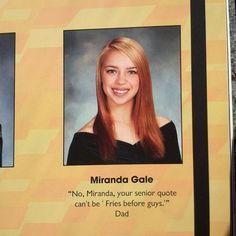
column 117, row 58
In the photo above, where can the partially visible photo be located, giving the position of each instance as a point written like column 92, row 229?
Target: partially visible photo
column 122, row 96
column 232, row 29
column 7, row 97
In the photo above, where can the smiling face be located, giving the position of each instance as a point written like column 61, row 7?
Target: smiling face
column 120, row 79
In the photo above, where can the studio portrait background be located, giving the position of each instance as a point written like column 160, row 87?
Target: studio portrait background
column 81, row 49
column 7, row 95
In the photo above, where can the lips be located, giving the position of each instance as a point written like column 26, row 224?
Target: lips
column 120, row 91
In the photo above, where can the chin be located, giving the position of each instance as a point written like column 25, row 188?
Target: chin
column 120, row 102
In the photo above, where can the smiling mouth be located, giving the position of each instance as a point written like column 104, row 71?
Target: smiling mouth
column 120, row 92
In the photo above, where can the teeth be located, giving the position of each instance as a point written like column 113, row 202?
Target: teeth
column 120, row 91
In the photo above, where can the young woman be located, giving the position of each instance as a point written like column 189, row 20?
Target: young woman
column 125, row 129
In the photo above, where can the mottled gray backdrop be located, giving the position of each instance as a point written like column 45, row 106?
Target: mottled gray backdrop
column 7, row 62
column 81, row 48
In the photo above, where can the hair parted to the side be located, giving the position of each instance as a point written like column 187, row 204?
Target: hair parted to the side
column 143, row 114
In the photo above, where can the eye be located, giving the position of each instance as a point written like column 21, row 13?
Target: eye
column 111, row 71
column 132, row 72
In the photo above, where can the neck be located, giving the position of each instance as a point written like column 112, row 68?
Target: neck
column 122, row 113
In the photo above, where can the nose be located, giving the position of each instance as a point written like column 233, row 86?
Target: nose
column 121, row 78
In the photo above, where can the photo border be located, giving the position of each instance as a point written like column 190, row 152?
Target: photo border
column 180, row 92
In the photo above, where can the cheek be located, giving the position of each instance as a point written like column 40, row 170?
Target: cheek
column 105, row 85
column 105, row 82
column 105, row 79
column 136, row 84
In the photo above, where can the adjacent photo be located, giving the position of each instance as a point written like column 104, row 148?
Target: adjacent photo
column 122, row 96
column 7, row 97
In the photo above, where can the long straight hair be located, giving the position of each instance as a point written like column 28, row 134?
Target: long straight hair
column 143, row 113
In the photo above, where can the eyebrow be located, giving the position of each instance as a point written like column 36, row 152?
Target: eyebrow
column 116, row 67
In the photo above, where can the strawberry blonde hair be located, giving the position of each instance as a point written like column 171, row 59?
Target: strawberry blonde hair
column 143, row 113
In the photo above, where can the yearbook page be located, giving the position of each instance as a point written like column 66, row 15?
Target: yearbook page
column 115, row 118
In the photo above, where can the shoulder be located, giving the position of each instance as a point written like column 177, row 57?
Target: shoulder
column 88, row 127
column 161, row 120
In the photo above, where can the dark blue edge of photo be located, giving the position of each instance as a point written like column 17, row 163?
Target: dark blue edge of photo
column 199, row 119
